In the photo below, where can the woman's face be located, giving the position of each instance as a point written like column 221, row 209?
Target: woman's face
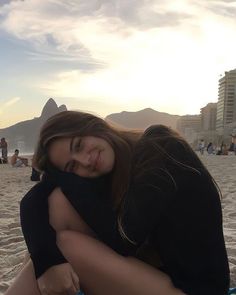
column 86, row 156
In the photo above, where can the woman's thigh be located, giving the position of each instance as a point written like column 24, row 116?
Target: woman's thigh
column 102, row 271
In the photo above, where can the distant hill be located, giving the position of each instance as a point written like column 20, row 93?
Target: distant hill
column 142, row 119
column 24, row 135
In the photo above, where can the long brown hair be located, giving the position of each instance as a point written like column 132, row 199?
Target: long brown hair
column 69, row 124
column 162, row 151
column 160, row 147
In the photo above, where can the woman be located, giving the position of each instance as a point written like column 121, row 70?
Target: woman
column 155, row 186
column 3, row 146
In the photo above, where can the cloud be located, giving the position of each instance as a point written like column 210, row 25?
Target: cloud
column 6, row 2
column 66, row 28
column 9, row 103
column 141, row 51
column 225, row 8
column 134, row 51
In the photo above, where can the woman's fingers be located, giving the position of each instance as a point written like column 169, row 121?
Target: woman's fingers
column 59, row 280
column 75, row 279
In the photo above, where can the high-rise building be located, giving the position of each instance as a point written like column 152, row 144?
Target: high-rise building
column 208, row 117
column 189, row 121
column 189, row 126
column 226, row 105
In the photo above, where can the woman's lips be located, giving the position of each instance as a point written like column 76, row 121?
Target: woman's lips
column 95, row 162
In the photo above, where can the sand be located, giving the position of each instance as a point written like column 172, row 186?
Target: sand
column 15, row 182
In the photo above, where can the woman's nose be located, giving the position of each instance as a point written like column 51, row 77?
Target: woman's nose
column 82, row 158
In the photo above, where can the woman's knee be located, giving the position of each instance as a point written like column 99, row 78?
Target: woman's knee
column 57, row 207
column 63, row 238
column 63, row 216
column 56, row 197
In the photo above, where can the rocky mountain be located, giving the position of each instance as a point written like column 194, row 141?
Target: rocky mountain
column 23, row 135
column 51, row 108
column 142, row 119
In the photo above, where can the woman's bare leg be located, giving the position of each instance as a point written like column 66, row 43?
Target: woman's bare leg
column 100, row 269
column 25, row 283
column 62, row 216
column 103, row 272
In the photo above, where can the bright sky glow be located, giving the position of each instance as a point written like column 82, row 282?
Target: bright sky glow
column 107, row 56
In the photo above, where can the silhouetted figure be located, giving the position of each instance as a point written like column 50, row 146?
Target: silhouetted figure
column 224, row 149
column 210, row 148
column 35, row 175
column 202, row 146
column 3, row 146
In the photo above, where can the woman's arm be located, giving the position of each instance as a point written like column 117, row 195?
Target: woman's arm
column 39, row 236
column 90, row 198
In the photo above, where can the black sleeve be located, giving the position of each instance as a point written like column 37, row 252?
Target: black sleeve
column 95, row 205
column 39, row 236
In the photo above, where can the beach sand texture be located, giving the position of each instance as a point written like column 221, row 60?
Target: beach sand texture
column 15, row 182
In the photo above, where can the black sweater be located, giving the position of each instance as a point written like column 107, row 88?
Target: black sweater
column 183, row 223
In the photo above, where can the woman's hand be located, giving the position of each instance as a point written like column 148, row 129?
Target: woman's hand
column 59, row 279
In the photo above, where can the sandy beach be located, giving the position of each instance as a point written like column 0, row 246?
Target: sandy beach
column 15, row 182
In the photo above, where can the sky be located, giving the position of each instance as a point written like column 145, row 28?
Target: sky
column 107, row 56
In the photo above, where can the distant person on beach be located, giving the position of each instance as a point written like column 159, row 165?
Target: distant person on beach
column 35, row 174
column 224, row 149
column 202, row 146
column 3, row 146
column 106, row 196
column 210, row 148
column 232, row 147
column 17, row 161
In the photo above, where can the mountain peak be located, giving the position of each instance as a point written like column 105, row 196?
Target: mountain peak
column 51, row 109
column 142, row 119
column 62, row 108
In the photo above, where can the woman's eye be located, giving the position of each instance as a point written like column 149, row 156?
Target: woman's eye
column 77, row 145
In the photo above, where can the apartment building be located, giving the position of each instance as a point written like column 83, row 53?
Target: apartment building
column 208, row 117
column 226, row 105
column 189, row 126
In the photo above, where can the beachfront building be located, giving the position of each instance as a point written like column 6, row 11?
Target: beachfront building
column 226, row 105
column 208, row 123
column 208, row 117
column 189, row 126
